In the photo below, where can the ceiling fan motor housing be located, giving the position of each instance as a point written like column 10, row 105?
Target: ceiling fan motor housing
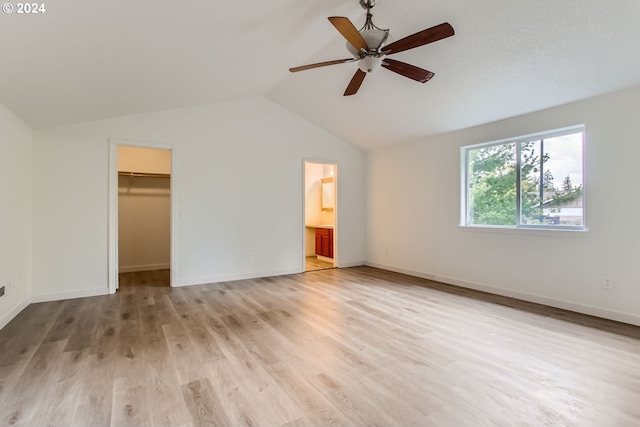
column 374, row 39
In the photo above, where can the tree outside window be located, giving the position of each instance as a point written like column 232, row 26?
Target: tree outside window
column 526, row 182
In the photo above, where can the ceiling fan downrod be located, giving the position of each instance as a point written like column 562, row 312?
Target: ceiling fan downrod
column 374, row 35
column 368, row 24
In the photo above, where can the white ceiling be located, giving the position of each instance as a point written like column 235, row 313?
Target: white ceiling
column 84, row 60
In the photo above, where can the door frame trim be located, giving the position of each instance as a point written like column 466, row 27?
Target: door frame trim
column 112, row 267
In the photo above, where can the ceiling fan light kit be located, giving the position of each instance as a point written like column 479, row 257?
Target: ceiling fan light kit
column 369, row 63
column 370, row 45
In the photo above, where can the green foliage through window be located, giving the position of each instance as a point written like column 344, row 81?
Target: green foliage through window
column 515, row 183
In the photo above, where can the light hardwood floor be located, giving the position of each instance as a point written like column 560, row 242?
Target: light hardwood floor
column 145, row 278
column 348, row 347
column 312, row 263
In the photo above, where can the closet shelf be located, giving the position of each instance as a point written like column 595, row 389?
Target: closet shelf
column 144, row 174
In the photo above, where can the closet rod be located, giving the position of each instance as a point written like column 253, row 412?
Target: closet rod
column 144, row 174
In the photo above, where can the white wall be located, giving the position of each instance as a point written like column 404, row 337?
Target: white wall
column 413, row 206
column 237, row 183
column 15, row 214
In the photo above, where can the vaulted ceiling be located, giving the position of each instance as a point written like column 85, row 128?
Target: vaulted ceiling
column 87, row 60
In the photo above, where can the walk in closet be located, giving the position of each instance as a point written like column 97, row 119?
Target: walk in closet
column 144, row 216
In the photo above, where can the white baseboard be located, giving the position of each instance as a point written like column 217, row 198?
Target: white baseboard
column 351, row 264
column 400, row 270
column 538, row 299
column 150, row 267
column 232, row 277
column 69, row 295
column 8, row 317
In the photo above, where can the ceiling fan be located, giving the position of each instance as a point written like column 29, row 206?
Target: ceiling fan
column 366, row 46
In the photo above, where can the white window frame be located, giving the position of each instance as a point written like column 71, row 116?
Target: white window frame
column 464, row 166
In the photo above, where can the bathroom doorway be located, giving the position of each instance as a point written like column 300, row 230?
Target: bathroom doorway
column 320, row 213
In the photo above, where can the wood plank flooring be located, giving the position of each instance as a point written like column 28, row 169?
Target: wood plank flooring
column 312, row 263
column 145, row 278
column 339, row 347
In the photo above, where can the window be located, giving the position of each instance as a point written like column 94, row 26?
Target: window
column 528, row 182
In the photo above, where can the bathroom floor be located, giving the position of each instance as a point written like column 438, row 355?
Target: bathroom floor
column 313, row 264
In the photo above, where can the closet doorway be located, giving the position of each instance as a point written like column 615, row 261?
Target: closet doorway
column 320, row 213
column 140, row 217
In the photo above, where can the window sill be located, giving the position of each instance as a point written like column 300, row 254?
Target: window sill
column 550, row 232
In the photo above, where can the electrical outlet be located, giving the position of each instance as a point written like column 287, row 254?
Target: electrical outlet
column 607, row 283
column 250, row 256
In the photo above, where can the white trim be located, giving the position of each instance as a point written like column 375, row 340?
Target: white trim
column 400, row 270
column 112, row 248
column 352, row 264
column 112, row 267
column 233, row 277
column 464, row 189
column 555, row 232
column 303, row 264
column 150, row 267
column 11, row 314
column 69, row 295
column 538, row 299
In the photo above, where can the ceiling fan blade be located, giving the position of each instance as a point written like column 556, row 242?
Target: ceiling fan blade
column 321, row 64
column 355, row 83
column 421, row 38
column 349, row 32
column 411, row 71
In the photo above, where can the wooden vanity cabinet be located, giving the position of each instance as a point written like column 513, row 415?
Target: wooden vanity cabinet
column 324, row 242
